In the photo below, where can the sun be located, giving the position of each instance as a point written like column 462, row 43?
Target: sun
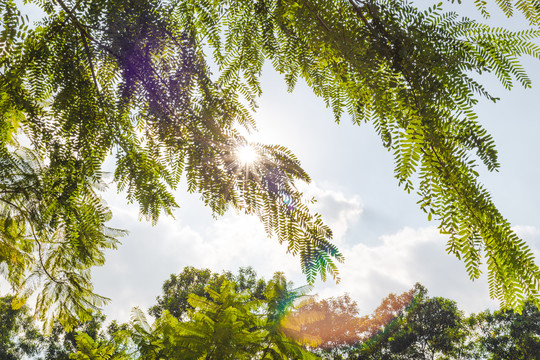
column 246, row 155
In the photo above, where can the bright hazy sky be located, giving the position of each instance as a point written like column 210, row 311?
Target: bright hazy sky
column 387, row 241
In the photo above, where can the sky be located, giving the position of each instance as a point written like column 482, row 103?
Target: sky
column 386, row 239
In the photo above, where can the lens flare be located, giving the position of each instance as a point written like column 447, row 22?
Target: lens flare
column 287, row 200
column 246, row 155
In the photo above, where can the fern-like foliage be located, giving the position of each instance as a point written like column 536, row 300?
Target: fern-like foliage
column 223, row 325
column 530, row 9
column 131, row 78
column 52, row 233
column 409, row 74
column 90, row 349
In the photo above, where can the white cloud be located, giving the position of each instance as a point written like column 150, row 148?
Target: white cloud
column 408, row 256
column 394, row 264
column 337, row 209
column 134, row 273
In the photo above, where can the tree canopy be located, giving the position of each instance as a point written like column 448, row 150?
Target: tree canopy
column 132, row 79
column 226, row 321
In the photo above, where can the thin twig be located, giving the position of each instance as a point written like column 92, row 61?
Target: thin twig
column 318, row 17
column 23, row 212
column 360, row 14
column 41, row 258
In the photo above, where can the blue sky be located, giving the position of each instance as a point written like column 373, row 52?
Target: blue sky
column 387, row 241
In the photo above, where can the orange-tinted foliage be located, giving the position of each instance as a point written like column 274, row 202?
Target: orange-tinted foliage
column 390, row 307
column 335, row 322
column 326, row 323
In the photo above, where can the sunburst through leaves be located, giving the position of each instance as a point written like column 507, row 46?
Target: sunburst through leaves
column 246, row 154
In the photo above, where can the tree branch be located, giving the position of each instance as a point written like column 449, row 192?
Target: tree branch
column 317, row 16
column 360, row 14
